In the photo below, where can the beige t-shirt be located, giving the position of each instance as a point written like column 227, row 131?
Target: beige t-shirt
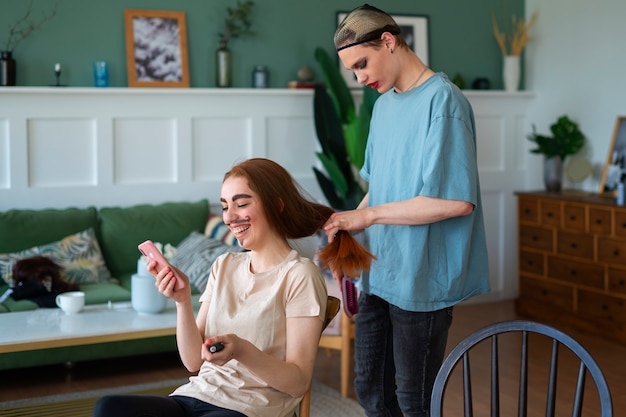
column 255, row 307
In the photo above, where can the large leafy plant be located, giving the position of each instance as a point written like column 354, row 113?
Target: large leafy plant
column 342, row 134
column 566, row 139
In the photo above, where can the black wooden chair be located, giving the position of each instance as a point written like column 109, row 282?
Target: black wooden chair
column 539, row 377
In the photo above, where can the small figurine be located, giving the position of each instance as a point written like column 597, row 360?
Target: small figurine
column 57, row 73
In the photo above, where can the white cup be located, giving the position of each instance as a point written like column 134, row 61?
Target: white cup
column 71, row 302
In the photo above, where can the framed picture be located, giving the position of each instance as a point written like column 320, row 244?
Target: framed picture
column 414, row 29
column 156, row 48
column 615, row 167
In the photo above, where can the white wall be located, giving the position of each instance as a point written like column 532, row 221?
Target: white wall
column 576, row 63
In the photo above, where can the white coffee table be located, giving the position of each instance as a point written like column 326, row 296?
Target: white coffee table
column 50, row 327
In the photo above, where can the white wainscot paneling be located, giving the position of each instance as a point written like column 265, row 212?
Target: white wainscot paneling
column 287, row 139
column 105, row 147
column 61, row 152
column 145, row 151
column 218, row 143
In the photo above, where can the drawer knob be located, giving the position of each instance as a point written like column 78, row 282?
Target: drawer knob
column 572, row 217
column 573, row 246
column 616, row 252
column 535, row 238
column 530, row 263
column 572, row 272
column 621, row 282
column 598, row 221
column 544, row 292
column 526, row 211
column 605, row 307
column 549, row 214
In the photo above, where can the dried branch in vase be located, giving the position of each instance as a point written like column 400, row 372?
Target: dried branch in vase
column 514, row 43
column 23, row 27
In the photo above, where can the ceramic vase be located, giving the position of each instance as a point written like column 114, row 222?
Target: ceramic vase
column 145, row 298
column 7, row 69
column 223, row 67
column 511, row 72
column 553, row 173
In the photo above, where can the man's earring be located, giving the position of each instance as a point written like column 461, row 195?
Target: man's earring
column 391, row 50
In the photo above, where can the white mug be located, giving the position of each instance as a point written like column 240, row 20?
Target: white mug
column 71, row 302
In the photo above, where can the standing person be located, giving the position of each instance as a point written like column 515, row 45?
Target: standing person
column 422, row 216
column 264, row 306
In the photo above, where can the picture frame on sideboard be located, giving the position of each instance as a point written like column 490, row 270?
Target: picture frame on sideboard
column 156, row 48
column 414, row 29
column 615, row 167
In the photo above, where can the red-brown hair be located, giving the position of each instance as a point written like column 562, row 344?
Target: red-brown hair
column 294, row 215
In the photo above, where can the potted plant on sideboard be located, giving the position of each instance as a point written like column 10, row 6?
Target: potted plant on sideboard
column 566, row 140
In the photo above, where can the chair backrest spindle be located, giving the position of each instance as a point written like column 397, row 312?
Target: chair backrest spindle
column 554, row 360
column 495, row 380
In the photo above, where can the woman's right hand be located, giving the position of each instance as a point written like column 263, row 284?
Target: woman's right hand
column 166, row 282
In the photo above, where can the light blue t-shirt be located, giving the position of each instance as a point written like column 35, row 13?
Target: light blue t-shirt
column 423, row 143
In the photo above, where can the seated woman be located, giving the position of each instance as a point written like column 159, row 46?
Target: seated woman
column 264, row 306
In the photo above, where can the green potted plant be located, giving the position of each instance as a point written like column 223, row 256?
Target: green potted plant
column 237, row 24
column 567, row 139
column 342, row 134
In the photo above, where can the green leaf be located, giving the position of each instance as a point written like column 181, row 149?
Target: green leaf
column 328, row 189
column 330, row 132
column 338, row 89
column 567, row 139
column 334, row 172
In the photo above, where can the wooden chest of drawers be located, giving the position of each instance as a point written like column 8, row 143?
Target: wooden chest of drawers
column 572, row 261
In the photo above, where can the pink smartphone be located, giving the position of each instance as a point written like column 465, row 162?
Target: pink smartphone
column 150, row 251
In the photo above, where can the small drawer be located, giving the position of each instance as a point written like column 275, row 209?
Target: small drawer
column 617, row 280
column 575, row 245
column 612, row 251
column 531, row 262
column 556, row 296
column 600, row 221
column 527, row 210
column 607, row 308
column 574, row 217
column 536, row 238
column 579, row 273
column 620, row 223
column 550, row 213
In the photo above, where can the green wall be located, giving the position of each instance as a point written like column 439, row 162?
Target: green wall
column 287, row 32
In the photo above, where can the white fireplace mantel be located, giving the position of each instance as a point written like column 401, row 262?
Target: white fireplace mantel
column 62, row 147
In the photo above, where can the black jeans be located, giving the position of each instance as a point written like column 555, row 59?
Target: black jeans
column 397, row 356
column 157, row 406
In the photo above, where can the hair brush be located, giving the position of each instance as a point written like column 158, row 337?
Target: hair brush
column 349, row 297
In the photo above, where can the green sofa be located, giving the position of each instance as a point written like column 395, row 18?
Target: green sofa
column 118, row 230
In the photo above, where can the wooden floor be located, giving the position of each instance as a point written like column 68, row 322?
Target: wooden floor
column 31, row 382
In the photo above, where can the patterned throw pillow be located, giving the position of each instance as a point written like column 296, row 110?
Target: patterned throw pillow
column 217, row 229
column 195, row 255
column 78, row 254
